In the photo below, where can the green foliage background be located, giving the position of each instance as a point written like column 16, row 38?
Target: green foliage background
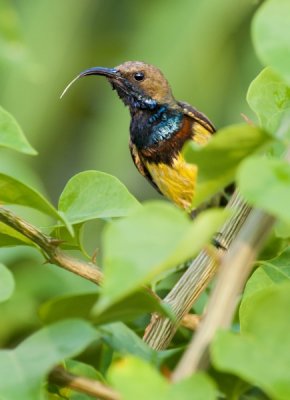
column 203, row 48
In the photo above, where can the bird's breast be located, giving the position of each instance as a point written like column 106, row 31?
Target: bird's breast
column 162, row 157
column 149, row 129
column 165, row 129
column 176, row 181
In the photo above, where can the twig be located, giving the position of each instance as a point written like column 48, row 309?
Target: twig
column 191, row 321
column 234, row 271
column 61, row 377
column 160, row 331
column 50, row 248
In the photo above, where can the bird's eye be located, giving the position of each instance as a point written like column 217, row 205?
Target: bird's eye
column 139, row 76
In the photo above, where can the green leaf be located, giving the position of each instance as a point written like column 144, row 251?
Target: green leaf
column 134, row 379
column 271, row 36
column 157, row 237
column 84, row 306
column 11, row 135
column 68, row 306
column 13, row 191
column 83, row 370
column 218, row 160
column 67, row 240
column 260, row 354
column 92, row 194
column 232, row 387
column 134, row 305
column 269, row 97
column 274, row 245
column 265, row 183
column 269, row 273
column 23, row 370
column 197, row 387
column 282, row 229
column 6, row 283
column 123, row 340
column 10, row 237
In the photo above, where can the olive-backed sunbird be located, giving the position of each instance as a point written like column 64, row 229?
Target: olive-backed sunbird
column 160, row 126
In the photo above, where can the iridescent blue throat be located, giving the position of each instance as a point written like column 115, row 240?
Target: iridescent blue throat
column 165, row 128
column 154, row 126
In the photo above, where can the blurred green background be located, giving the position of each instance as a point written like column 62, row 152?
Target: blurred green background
column 202, row 46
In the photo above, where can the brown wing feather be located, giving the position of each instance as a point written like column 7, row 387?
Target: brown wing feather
column 141, row 166
column 197, row 116
column 220, row 199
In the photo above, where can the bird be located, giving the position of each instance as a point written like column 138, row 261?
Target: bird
column 159, row 128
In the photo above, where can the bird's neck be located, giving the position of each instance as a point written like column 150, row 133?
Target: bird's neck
column 149, row 127
column 135, row 100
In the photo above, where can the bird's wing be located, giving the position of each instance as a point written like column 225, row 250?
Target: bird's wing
column 141, row 166
column 202, row 130
column 197, row 116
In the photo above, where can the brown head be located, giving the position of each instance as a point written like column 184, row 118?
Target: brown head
column 139, row 85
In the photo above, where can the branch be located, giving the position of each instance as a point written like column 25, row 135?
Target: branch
column 50, row 248
column 61, row 377
column 160, row 331
column 55, row 256
column 235, row 269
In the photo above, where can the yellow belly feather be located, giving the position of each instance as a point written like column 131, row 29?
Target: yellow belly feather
column 177, row 182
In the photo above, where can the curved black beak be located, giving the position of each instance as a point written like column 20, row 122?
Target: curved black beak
column 107, row 72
